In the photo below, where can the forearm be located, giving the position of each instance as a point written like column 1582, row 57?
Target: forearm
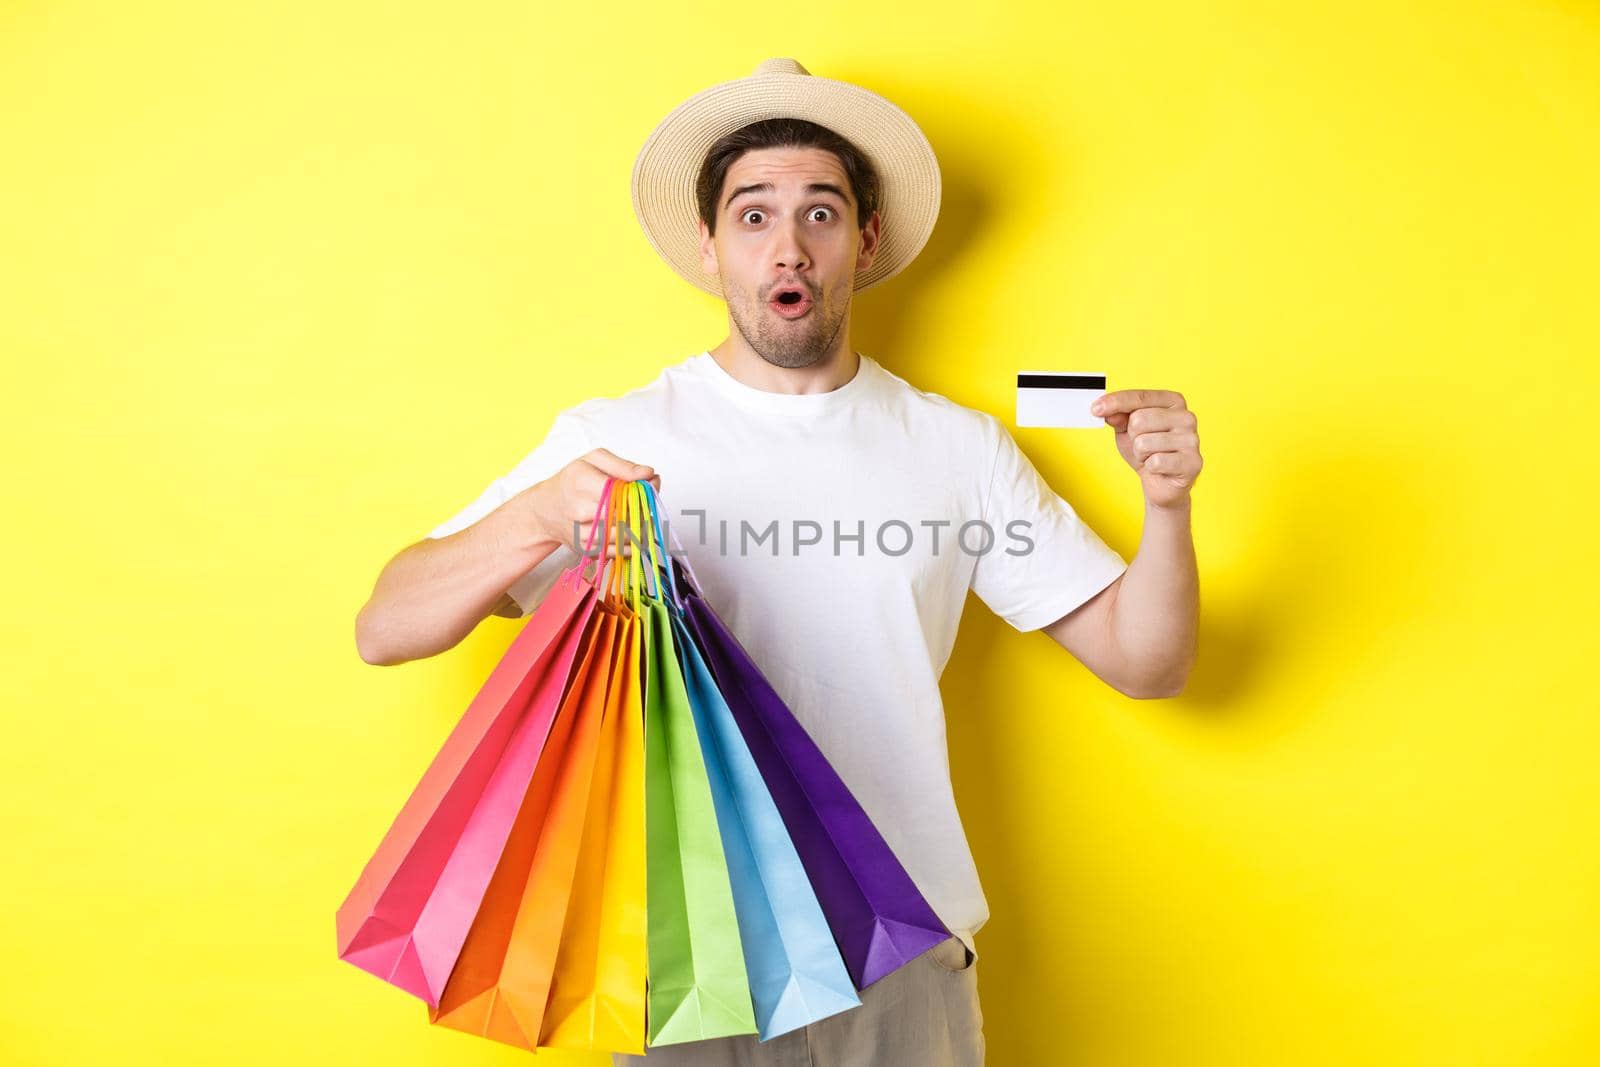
column 1155, row 619
column 434, row 593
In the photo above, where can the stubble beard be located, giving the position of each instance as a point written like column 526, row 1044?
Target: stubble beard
column 791, row 345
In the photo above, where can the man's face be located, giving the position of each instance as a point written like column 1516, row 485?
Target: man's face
column 798, row 232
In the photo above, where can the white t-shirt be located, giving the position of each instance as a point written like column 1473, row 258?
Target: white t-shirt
column 921, row 497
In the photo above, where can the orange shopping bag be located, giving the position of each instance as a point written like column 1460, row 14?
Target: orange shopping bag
column 408, row 913
column 597, row 999
column 502, row 977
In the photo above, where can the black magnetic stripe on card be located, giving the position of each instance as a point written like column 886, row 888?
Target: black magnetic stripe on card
column 1061, row 381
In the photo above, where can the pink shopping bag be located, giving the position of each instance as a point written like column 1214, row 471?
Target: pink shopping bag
column 408, row 914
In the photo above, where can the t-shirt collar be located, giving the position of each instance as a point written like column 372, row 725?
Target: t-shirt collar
column 749, row 396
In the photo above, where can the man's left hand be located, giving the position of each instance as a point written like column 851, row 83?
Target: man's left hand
column 1157, row 435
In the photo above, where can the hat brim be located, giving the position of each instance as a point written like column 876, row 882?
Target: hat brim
column 668, row 165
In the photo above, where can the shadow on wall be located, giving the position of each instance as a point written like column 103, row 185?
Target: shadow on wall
column 1314, row 583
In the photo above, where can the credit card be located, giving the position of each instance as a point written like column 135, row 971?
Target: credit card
column 1058, row 398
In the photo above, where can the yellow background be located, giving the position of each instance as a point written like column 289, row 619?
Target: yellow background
column 284, row 285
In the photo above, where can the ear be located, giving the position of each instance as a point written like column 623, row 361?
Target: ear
column 708, row 249
column 867, row 250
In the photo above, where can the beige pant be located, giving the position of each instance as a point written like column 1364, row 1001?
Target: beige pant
column 925, row 1014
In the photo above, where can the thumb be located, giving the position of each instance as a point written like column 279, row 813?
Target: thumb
column 615, row 466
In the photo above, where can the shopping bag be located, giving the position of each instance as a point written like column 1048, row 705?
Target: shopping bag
column 597, row 994
column 879, row 918
column 502, row 976
column 501, row 979
column 796, row 973
column 698, row 986
column 408, row 913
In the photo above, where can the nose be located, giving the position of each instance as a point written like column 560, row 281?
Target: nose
column 788, row 252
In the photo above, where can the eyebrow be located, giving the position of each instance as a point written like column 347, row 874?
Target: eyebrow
column 767, row 187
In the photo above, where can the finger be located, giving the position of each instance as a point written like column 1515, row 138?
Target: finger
column 1132, row 399
column 1145, row 444
column 1155, row 420
column 590, row 504
column 587, row 527
column 613, row 548
column 1172, row 464
column 614, row 466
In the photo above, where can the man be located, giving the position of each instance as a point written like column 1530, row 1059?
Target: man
column 835, row 515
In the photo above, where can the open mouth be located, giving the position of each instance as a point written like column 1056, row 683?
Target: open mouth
column 790, row 303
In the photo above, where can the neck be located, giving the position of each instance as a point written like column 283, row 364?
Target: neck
column 744, row 364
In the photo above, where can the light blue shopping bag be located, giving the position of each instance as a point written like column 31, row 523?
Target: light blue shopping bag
column 796, row 972
column 797, row 975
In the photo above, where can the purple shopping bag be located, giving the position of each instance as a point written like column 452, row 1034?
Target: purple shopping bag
column 878, row 916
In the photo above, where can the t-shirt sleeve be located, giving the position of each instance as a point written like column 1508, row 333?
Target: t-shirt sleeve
column 1031, row 585
column 565, row 441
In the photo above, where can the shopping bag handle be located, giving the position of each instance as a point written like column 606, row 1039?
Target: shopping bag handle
column 621, row 506
column 615, row 508
column 683, row 556
column 602, row 517
column 637, row 571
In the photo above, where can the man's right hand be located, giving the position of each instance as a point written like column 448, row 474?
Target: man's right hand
column 434, row 592
column 572, row 494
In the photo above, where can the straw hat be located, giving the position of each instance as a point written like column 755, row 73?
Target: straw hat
column 669, row 163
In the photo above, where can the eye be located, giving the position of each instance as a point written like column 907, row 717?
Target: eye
column 745, row 215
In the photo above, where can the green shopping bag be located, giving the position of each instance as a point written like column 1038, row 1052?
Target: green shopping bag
column 698, row 987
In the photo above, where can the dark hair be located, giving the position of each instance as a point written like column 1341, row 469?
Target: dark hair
column 785, row 133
